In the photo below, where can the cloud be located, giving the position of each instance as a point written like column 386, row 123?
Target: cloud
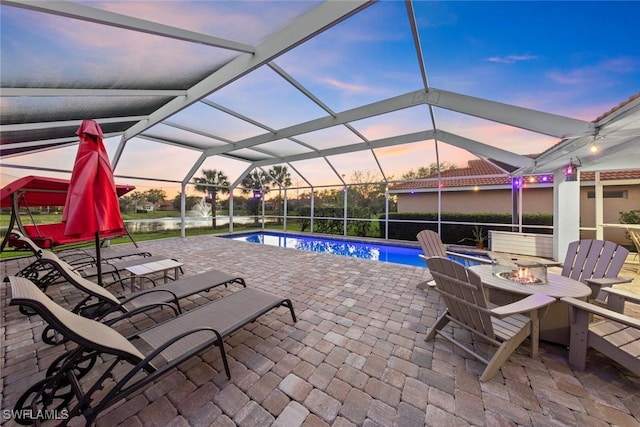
column 599, row 73
column 337, row 84
column 510, row 59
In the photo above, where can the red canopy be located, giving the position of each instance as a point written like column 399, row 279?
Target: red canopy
column 92, row 203
column 42, row 191
column 32, row 191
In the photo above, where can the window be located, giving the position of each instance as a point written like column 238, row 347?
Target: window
column 609, row 194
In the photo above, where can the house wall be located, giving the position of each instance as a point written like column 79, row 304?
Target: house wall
column 612, row 209
column 534, row 200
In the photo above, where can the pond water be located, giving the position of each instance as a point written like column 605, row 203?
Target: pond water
column 173, row 223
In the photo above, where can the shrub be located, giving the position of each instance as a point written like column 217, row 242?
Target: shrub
column 454, row 233
column 332, row 222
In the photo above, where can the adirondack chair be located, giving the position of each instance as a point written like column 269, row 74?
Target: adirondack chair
column 613, row 334
column 596, row 263
column 466, row 306
column 431, row 244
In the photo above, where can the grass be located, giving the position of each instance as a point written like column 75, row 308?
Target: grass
column 156, row 235
column 152, row 235
column 138, row 237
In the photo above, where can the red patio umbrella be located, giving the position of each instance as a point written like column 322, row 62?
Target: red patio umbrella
column 92, row 205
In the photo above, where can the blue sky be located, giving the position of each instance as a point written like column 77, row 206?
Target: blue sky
column 552, row 56
column 577, row 59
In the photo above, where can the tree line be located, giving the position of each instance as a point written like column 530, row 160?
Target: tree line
column 367, row 190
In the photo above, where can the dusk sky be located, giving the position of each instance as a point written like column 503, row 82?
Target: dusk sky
column 577, row 59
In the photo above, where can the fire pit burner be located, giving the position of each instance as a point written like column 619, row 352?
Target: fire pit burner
column 526, row 273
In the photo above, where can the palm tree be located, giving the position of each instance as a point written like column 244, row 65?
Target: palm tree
column 280, row 175
column 256, row 180
column 211, row 182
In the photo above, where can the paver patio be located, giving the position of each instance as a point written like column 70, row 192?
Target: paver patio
column 356, row 356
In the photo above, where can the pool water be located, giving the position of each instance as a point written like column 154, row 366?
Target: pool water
column 366, row 250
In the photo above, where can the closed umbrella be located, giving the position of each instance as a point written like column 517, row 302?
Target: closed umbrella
column 92, row 205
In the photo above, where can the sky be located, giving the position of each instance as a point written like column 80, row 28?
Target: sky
column 576, row 59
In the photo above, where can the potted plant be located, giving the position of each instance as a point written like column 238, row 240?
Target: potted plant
column 478, row 237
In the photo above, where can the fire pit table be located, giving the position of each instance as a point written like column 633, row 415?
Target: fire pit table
column 554, row 327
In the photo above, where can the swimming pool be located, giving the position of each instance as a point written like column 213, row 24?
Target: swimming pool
column 366, row 250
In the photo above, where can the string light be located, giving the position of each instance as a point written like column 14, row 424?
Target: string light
column 524, row 181
column 516, row 182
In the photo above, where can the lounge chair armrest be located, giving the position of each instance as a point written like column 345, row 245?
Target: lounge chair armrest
column 147, row 365
column 530, row 303
column 142, row 293
column 602, row 312
column 80, row 259
column 142, row 309
column 215, row 334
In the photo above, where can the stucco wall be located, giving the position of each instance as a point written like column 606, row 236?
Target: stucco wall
column 535, row 200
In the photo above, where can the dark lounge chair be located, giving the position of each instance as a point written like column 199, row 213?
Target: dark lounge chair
column 77, row 255
column 100, row 302
column 130, row 363
column 78, row 259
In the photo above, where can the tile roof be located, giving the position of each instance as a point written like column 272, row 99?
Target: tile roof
column 617, row 107
column 608, row 176
column 484, row 173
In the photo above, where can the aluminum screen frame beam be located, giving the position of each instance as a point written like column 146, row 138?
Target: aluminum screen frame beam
column 104, row 17
column 323, row 17
column 523, row 118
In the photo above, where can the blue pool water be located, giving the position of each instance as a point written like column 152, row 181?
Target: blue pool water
column 366, row 250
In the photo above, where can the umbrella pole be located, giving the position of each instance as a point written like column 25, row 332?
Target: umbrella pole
column 98, row 260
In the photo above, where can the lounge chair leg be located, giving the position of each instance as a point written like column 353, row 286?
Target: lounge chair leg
column 52, row 337
column 288, row 303
column 224, row 355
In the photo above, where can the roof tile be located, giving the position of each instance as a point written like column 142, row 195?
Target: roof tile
column 484, row 173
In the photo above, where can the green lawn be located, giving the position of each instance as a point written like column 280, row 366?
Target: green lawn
column 163, row 234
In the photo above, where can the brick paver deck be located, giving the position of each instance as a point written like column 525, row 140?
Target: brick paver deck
column 356, row 356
